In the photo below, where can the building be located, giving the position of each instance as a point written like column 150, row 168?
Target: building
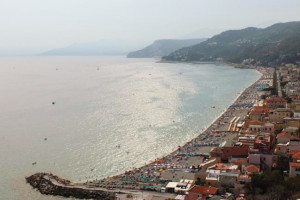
column 250, row 169
column 291, row 121
column 241, row 162
column 228, row 179
column 201, row 192
column 258, row 113
column 278, row 114
column 264, row 161
column 236, row 150
column 292, row 88
column 294, row 169
column 283, row 138
column 256, row 127
column 243, row 178
column 296, row 114
column 222, row 174
column 264, row 142
column 247, row 140
column 296, row 98
column 180, row 187
column 275, row 102
column 294, row 131
column 281, row 149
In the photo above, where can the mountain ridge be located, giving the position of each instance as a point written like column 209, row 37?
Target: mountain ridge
column 163, row 47
column 265, row 46
column 101, row 47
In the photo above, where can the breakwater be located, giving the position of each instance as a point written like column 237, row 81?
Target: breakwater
column 49, row 184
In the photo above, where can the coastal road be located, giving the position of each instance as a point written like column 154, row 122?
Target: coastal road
column 278, row 84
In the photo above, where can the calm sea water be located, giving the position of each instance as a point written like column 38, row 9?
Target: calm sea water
column 147, row 108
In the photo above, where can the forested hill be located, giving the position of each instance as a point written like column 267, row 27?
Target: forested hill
column 161, row 48
column 279, row 43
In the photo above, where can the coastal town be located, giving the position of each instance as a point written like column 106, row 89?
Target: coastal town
column 252, row 151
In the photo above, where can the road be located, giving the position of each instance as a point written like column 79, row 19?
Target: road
column 278, row 84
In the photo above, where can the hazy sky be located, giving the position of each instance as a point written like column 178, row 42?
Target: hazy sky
column 29, row 26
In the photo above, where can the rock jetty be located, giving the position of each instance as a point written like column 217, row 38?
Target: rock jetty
column 49, row 184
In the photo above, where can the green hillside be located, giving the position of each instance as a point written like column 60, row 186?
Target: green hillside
column 279, row 43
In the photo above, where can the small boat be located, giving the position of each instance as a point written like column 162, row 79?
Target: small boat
column 53, row 103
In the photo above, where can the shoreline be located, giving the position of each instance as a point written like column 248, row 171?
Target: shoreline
column 206, row 128
column 226, row 109
column 169, row 157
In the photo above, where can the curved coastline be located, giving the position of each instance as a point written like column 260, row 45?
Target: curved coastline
column 83, row 190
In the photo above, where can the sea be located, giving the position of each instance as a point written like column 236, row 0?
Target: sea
column 90, row 117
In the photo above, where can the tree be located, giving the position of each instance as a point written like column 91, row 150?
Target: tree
column 275, row 192
column 282, row 163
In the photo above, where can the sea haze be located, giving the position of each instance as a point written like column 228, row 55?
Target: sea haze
column 147, row 108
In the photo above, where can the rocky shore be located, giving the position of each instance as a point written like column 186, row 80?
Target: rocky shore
column 50, row 184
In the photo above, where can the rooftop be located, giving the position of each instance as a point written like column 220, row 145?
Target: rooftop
column 296, row 155
column 251, row 169
column 222, row 166
column 294, row 164
column 204, row 190
column 283, row 134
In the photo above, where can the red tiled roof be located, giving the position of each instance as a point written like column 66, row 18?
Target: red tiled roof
column 203, row 190
column 296, row 155
column 292, row 152
column 294, row 164
column 275, row 99
column 259, row 109
column 248, row 123
column 283, row 134
column 240, row 161
column 251, row 168
column 221, row 166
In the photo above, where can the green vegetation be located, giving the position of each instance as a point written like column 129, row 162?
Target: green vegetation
column 282, row 84
column 282, row 163
column 273, row 185
column 279, row 43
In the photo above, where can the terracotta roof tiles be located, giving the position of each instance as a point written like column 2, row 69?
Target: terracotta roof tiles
column 294, row 164
column 203, row 190
column 251, row 168
column 283, row 134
